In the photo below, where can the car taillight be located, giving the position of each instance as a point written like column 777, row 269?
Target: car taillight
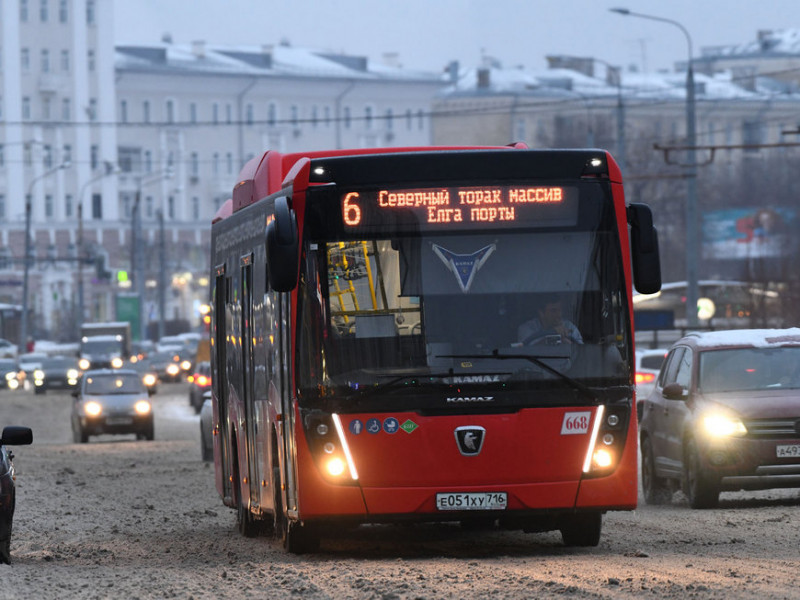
column 644, row 378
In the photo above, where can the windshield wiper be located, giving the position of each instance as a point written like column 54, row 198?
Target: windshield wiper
column 577, row 385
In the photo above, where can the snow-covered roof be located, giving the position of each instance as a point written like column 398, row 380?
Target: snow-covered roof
column 279, row 60
column 777, row 42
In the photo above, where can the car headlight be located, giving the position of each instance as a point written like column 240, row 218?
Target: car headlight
column 93, row 408
column 116, row 362
column 173, row 369
column 11, row 375
column 149, row 379
column 722, row 425
column 38, row 374
column 84, row 364
column 142, row 407
column 72, row 374
column 186, row 365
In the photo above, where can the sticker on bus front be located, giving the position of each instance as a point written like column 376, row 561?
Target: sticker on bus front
column 576, row 422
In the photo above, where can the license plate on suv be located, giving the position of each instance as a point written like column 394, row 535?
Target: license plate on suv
column 472, row 501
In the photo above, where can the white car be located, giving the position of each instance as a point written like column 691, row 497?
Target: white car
column 648, row 365
column 7, row 349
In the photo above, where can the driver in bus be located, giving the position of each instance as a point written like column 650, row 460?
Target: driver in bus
column 550, row 326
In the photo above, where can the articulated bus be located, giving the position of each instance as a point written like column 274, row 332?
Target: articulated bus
column 368, row 364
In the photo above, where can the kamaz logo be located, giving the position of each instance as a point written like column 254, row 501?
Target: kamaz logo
column 470, row 399
column 476, row 378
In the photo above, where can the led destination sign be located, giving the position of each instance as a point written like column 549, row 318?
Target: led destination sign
column 547, row 206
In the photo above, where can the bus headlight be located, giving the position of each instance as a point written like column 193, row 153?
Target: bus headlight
column 717, row 425
column 93, row 409
column 606, row 440
column 336, row 466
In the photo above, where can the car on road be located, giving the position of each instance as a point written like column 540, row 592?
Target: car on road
column 7, row 349
column 648, row 364
column 112, row 401
column 724, row 415
column 199, row 383
column 29, row 362
column 167, row 366
column 11, row 377
column 206, row 429
column 56, row 373
column 12, row 436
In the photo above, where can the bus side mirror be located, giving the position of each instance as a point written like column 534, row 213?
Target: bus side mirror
column 644, row 250
column 282, row 247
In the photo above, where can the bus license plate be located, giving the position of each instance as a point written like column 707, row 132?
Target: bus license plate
column 788, row 451
column 472, row 501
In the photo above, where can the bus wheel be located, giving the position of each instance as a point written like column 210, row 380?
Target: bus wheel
column 299, row 538
column 247, row 525
column 582, row 529
column 656, row 490
column 701, row 490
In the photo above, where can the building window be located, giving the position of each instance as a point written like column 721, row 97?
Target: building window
column 195, row 208
column 249, row 114
column 368, row 117
column 48, row 206
column 94, row 156
column 295, row 112
column 97, row 206
column 126, row 205
column 752, row 134
column 171, row 207
column 26, row 108
column 90, row 14
column 193, row 112
column 420, row 120
column 23, row 11
column 47, row 156
column 409, row 119
column 63, row 11
column 68, row 204
column 148, row 161
column 228, row 114
column 90, row 60
column 123, row 111
column 45, row 60
column 146, row 111
column 347, row 118
column 314, row 116
column 148, row 207
column 327, row 112
column 194, row 164
column 215, row 113
column 129, row 159
column 389, row 119
column 66, row 109
column 92, row 109
column 66, row 154
column 272, row 114
column 44, row 13
column 25, row 59
column 2, row 206
column 229, row 161
column 46, row 112
column 65, row 61
column 170, row 111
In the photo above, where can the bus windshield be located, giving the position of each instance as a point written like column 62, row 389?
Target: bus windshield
column 477, row 315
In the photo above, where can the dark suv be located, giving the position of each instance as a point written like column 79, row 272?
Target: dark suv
column 724, row 415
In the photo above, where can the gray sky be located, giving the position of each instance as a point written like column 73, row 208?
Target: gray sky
column 427, row 34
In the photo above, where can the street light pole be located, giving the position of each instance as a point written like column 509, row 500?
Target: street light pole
column 23, row 335
column 692, row 245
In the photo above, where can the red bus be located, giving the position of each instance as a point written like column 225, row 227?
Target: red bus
column 368, row 360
